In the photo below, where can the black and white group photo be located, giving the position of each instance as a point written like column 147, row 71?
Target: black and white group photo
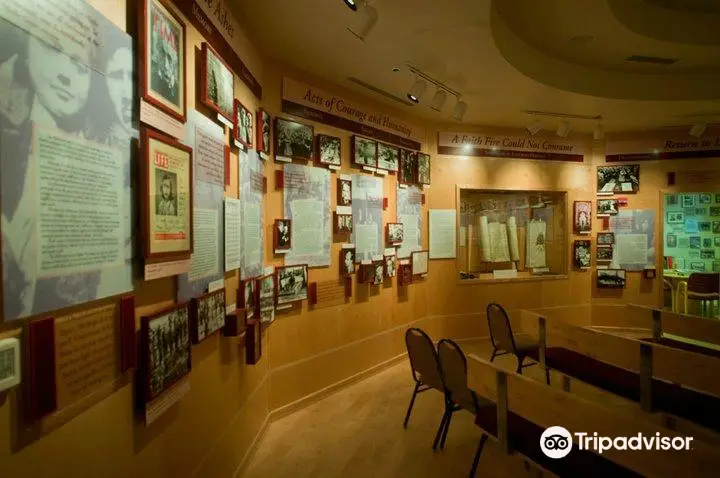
column 343, row 223
column 329, row 149
column 249, row 298
column 423, row 168
column 168, row 348
column 605, row 238
column 243, row 125
column 364, row 151
column 604, row 253
column 292, row 284
column 210, row 314
column 283, row 234
column 378, row 268
column 388, row 157
column 266, row 298
column 344, row 192
column 610, row 278
column 390, row 266
column 293, row 140
column 347, row 261
column 395, row 233
column 675, row 217
column 408, row 167
column 618, row 179
column 607, row 207
column 582, row 254
column 219, row 83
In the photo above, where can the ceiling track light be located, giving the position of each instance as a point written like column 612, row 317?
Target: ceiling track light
column 417, row 90
column 599, row 131
column 534, row 128
column 352, row 5
column 367, row 17
column 422, row 79
column 698, row 129
column 438, row 100
column 564, row 129
column 459, row 110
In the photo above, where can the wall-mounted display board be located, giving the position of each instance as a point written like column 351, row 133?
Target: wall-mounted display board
column 306, row 198
column 519, row 147
column 253, row 231
column 673, row 145
column 65, row 183
column 691, row 230
column 367, row 215
column 443, row 230
column 634, row 231
column 409, row 205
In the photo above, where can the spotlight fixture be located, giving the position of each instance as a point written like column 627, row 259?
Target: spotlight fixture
column 564, row 129
column 438, row 100
column 534, row 128
column 367, row 17
column 599, row 132
column 459, row 110
column 417, row 90
column 698, row 129
column 351, row 4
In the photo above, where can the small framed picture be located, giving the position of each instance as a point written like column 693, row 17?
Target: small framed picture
column 715, row 211
column 419, row 262
column 390, row 265
column 293, row 140
column 405, row 275
column 364, row 152
column 423, row 168
column 367, row 274
column 282, row 235
column 695, row 242
column 247, row 297
column 582, row 213
column 344, row 192
column 582, row 254
column 607, row 207
column 697, row 266
column 688, row 200
column 165, row 347
column 707, row 242
column 207, row 315
column 604, row 253
column 242, row 124
column 610, row 279
column 266, row 298
column 716, row 266
column 717, row 198
column 395, row 233
column 675, row 217
column 671, row 199
column 704, row 198
column 291, row 283
column 217, row 83
column 707, row 254
column 347, row 262
column 618, row 179
column 328, row 150
column 342, row 223
column 408, row 167
column 263, row 133
column 671, row 240
column 378, row 268
column 605, row 238
column 162, row 61
column 704, row 226
column 388, row 157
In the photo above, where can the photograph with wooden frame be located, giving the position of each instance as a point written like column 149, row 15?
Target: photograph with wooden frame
column 162, row 58
column 265, row 286
column 405, row 275
column 207, row 315
column 605, row 238
column 582, row 217
column 423, row 168
column 165, row 349
column 247, row 297
column 391, row 265
column 623, row 179
column 344, row 192
column 607, row 207
column 388, row 157
column 394, row 233
column 611, row 279
column 378, row 272
column 217, row 83
column 293, row 140
column 242, row 124
column 342, row 223
column 263, row 133
column 419, row 261
column 363, row 151
column 408, row 167
column 582, row 254
column 168, row 196
column 291, row 283
column 604, row 253
column 367, row 273
column 347, row 262
column 329, row 150
column 282, row 235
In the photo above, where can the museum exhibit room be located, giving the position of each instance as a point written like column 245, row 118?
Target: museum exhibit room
column 359, row 238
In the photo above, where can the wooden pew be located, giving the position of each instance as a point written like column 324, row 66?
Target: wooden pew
column 700, row 331
column 518, row 396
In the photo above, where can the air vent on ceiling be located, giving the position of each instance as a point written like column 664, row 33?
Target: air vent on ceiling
column 655, row 60
column 377, row 90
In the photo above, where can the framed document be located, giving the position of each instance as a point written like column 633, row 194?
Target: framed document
column 168, row 192
column 162, row 64
column 419, row 262
column 217, row 87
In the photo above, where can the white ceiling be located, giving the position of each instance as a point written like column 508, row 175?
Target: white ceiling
column 505, row 58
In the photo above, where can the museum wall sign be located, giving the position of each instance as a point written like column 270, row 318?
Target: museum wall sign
column 667, row 147
column 519, row 147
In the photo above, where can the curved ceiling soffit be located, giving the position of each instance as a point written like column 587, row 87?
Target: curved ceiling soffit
column 691, row 22
column 597, row 82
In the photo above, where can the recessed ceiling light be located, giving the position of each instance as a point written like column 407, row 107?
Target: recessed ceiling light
column 351, row 4
column 395, row 69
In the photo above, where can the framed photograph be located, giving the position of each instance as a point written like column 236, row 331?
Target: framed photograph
column 328, row 150
column 347, row 262
column 408, row 167
column 344, row 192
column 242, row 124
column 582, row 214
column 715, row 211
column 697, row 266
column 607, row 207
column 716, row 266
column 704, row 226
column 293, row 140
column 168, row 193
column 207, row 315
column 291, row 283
column 692, row 225
column 394, row 233
column 610, row 279
column 266, row 298
column 707, row 242
column 604, row 253
column 704, row 198
column 282, row 234
column 707, row 254
column 675, row 217
column 342, row 223
column 717, row 242
column 693, row 254
column 694, row 242
column 390, row 265
column 217, row 84
column 605, row 238
column 423, row 168
column 364, row 151
column 671, row 240
column 618, row 179
column 165, row 342
column 263, row 133
column 671, row 199
column 717, row 198
column 247, row 297
column 388, row 157
column 162, row 62
column 367, row 274
column 419, row 262
column 582, row 254
column 405, row 275
column 378, row 271
column 688, row 200
column 683, row 242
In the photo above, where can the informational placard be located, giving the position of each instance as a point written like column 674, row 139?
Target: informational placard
column 251, row 197
column 158, row 270
column 206, row 262
column 161, row 120
column 233, row 233
column 409, row 205
column 307, row 203
column 367, row 202
column 443, row 236
column 634, row 248
column 676, row 144
column 520, row 147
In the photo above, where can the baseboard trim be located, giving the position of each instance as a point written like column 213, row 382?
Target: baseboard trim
column 253, row 448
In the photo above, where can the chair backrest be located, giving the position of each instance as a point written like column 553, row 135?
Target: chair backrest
column 704, row 282
column 454, row 369
column 423, row 358
column 501, row 334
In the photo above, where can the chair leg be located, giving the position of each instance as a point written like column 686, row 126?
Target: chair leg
column 410, row 407
column 519, row 367
column 547, row 375
column 440, row 429
column 445, row 431
column 478, row 452
column 494, row 354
